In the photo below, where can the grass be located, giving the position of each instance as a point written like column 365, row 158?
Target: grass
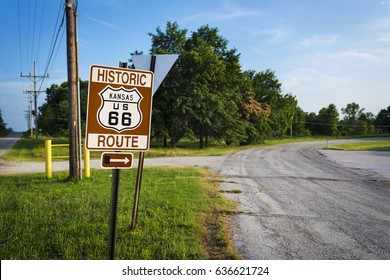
column 26, row 149
column 363, row 146
column 181, row 216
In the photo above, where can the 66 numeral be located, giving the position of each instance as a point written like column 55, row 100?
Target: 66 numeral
column 113, row 118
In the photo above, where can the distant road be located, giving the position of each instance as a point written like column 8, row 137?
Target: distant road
column 8, row 141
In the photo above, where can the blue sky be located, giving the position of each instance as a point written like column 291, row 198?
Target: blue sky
column 334, row 51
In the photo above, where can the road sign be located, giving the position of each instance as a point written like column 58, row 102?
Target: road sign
column 163, row 64
column 117, row 160
column 119, row 109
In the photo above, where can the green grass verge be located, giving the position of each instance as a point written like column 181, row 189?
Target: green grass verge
column 363, row 146
column 26, row 149
column 181, row 216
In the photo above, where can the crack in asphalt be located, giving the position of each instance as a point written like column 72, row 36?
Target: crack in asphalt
column 316, row 218
column 299, row 178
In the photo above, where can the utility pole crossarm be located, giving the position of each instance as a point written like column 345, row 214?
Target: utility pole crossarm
column 35, row 93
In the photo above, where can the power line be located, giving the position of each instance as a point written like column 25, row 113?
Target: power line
column 33, row 22
column 20, row 38
column 40, row 29
column 28, row 32
column 33, row 30
column 54, row 44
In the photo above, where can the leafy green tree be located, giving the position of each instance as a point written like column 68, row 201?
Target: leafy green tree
column 282, row 112
column 3, row 126
column 299, row 121
column 311, row 123
column 356, row 121
column 382, row 120
column 325, row 123
column 211, row 74
column 329, row 118
column 53, row 117
column 266, row 85
column 53, row 114
column 352, row 112
column 170, row 118
column 255, row 114
column 268, row 90
column 367, row 123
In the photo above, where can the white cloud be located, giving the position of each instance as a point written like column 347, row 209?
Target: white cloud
column 276, row 35
column 318, row 40
column 360, row 55
column 104, row 23
column 228, row 11
column 219, row 16
column 312, row 77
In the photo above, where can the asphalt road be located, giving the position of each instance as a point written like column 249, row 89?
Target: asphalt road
column 299, row 204
column 8, row 141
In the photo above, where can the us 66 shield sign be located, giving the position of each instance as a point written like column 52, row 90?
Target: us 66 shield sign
column 119, row 109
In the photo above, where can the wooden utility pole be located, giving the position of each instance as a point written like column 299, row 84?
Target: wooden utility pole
column 35, row 94
column 72, row 89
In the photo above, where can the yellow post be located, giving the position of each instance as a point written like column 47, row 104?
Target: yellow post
column 87, row 169
column 48, row 158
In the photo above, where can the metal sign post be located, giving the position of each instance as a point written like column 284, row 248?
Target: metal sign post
column 119, row 113
column 140, row 169
column 118, row 119
column 113, row 213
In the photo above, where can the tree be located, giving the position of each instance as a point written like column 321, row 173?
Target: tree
column 311, row 123
column 255, row 114
column 382, row 120
column 266, row 85
column 282, row 112
column 53, row 118
column 212, row 73
column 366, row 123
column 170, row 103
column 325, row 123
column 356, row 121
column 3, row 126
column 329, row 118
column 352, row 112
column 333, row 120
column 268, row 90
column 299, row 120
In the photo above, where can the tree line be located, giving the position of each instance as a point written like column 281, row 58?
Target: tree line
column 207, row 95
column 4, row 130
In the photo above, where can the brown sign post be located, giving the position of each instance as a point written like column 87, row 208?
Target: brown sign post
column 119, row 109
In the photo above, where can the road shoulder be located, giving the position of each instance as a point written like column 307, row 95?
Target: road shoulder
column 378, row 162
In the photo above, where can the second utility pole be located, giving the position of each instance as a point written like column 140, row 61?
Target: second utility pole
column 35, row 93
column 72, row 89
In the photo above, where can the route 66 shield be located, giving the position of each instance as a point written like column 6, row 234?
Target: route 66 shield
column 120, row 108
